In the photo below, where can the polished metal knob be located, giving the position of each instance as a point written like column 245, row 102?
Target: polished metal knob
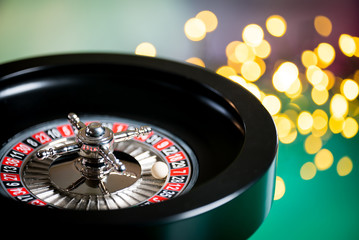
column 95, row 129
column 95, row 144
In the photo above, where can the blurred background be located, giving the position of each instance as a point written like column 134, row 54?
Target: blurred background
column 299, row 57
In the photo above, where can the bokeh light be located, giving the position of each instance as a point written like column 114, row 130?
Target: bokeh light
column 347, row 45
column 284, row 126
column 313, row 144
column 323, row 25
column 279, row 188
column 326, row 54
column 209, row 18
column 231, row 51
column 243, row 52
column 339, row 106
column 251, row 71
column 196, row 61
column 336, row 124
column 226, row 71
column 318, row 82
column 319, row 96
column 323, row 159
column 263, row 50
column 253, row 35
column 309, row 58
column 195, row 29
column 305, row 122
column 261, row 64
column 290, row 137
column 331, row 78
column 272, row 104
column 295, row 89
column 350, row 127
column 344, row 166
column 349, row 89
column 308, row 171
column 286, row 74
column 276, row 25
column 146, row 49
column 317, row 77
column 254, row 89
column 311, row 101
column 238, row 79
column 320, row 123
column 356, row 40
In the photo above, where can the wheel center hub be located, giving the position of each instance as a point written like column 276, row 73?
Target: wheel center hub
column 95, row 145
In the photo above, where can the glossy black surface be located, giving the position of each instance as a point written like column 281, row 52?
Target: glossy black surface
column 230, row 132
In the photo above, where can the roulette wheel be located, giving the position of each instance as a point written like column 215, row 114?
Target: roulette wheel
column 153, row 147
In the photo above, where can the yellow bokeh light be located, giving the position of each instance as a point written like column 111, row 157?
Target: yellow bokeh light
column 320, row 123
column 262, row 65
column 290, row 137
column 196, row 61
column 339, row 106
column 276, row 25
column 279, row 188
column 336, row 124
column 292, row 114
column 195, row 29
column 287, row 132
column 243, row 52
column 146, row 49
column 308, row 171
column 254, row 89
column 272, row 104
column 323, row 25
column 295, row 89
column 312, row 144
column 313, row 74
column 230, row 51
column 209, row 19
column 263, row 50
column 319, row 96
column 356, row 75
column 350, row 127
column 323, row 159
column 226, row 71
column 309, row 58
column 326, row 54
column 331, row 78
column 305, row 122
column 322, row 80
column 283, row 124
column 356, row 40
column 239, row 80
column 317, row 77
column 349, row 89
column 253, row 35
column 322, row 133
column 347, row 45
column 286, row 74
column 235, row 65
column 320, row 119
column 251, row 71
column 344, row 166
